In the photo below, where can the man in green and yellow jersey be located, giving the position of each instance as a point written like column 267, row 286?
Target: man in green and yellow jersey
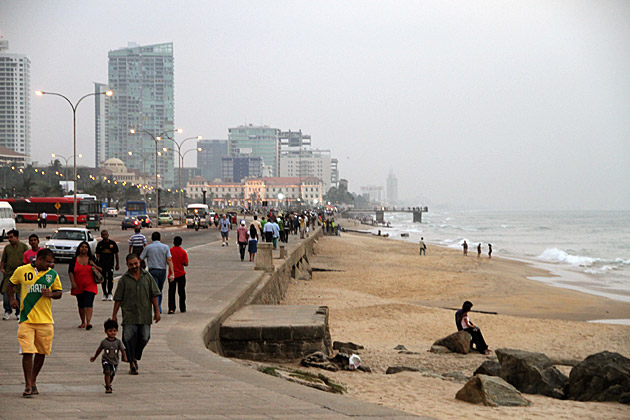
column 37, row 283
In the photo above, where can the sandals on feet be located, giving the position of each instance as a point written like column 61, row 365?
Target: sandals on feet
column 133, row 369
column 88, row 327
column 108, row 389
column 28, row 392
column 34, row 390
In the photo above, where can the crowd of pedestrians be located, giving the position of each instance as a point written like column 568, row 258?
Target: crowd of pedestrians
column 29, row 283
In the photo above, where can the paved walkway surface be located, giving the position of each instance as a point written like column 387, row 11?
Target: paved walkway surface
column 179, row 377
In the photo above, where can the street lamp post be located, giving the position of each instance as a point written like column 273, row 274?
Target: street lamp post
column 179, row 174
column 55, row 155
column 156, row 139
column 74, row 137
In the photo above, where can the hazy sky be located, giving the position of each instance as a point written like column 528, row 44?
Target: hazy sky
column 476, row 104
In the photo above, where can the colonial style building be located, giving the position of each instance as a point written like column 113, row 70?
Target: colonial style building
column 257, row 192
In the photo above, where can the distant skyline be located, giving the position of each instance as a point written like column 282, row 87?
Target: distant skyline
column 480, row 105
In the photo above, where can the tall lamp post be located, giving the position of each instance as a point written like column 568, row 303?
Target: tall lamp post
column 55, row 155
column 156, row 139
column 181, row 163
column 74, row 137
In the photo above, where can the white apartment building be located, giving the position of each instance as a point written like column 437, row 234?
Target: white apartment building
column 15, row 101
column 308, row 164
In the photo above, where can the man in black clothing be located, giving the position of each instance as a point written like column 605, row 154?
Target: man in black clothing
column 107, row 253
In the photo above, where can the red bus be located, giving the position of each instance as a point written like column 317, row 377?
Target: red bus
column 27, row 209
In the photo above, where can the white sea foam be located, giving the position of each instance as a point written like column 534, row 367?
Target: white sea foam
column 558, row 255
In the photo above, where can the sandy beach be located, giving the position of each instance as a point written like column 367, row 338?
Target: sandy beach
column 384, row 294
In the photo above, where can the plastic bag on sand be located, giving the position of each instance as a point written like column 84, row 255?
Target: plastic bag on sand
column 354, row 362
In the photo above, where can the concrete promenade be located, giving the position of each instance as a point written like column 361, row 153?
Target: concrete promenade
column 179, row 377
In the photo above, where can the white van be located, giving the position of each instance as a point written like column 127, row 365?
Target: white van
column 7, row 219
column 198, row 209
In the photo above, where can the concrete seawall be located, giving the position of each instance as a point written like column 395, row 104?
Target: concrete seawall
column 268, row 289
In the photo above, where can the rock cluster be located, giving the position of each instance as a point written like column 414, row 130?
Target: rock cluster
column 458, row 342
column 603, row 376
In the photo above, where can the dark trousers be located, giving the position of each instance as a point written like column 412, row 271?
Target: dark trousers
column 268, row 236
column 477, row 339
column 108, row 283
column 177, row 285
column 242, row 246
column 135, row 339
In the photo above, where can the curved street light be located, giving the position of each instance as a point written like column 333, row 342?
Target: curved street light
column 74, row 137
column 181, row 164
column 156, row 139
column 56, row 155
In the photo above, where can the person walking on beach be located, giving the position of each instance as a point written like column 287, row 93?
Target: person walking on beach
column 137, row 294
column 158, row 258
column 241, row 239
column 107, row 258
column 38, row 284
column 423, row 247
column 464, row 323
column 479, row 250
column 12, row 257
column 465, row 246
column 489, row 250
column 180, row 260
column 112, row 349
column 225, row 226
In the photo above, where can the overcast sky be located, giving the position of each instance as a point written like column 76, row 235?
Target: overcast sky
column 477, row 104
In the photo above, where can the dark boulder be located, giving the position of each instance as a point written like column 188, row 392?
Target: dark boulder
column 532, row 373
column 603, row 376
column 490, row 368
column 338, row 345
column 458, row 342
column 492, row 391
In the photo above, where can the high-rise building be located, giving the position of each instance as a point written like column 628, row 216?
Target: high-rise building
column 312, row 163
column 255, row 141
column 15, row 101
column 236, row 169
column 209, row 155
column 142, row 78
column 392, row 188
column 100, row 116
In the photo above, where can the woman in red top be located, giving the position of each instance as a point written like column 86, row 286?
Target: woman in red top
column 82, row 281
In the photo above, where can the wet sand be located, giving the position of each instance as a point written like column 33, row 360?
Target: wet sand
column 385, row 294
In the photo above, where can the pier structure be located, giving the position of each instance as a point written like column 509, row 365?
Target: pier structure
column 380, row 212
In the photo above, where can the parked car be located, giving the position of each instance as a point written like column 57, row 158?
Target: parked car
column 130, row 222
column 111, row 212
column 64, row 242
column 165, row 219
column 145, row 221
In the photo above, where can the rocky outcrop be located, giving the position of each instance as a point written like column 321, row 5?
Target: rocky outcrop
column 490, row 368
column 397, row 369
column 603, row 376
column 458, row 342
column 531, row 373
column 492, row 391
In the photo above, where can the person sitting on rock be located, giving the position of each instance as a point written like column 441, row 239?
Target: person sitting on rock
column 464, row 323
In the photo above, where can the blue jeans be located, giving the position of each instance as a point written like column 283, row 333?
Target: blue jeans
column 7, row 304
column 159, row 275
column 135, row 338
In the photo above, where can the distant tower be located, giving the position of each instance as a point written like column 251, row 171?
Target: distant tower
column 392, row 188
column 142, row 80
column 15, row 101
column 99, row 123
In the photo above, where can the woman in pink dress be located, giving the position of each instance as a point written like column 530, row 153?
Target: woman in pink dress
column 83, row 286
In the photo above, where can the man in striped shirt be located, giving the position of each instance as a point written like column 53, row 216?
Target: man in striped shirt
column 137, row 243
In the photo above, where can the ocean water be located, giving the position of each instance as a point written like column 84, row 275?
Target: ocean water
column 587, row 250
